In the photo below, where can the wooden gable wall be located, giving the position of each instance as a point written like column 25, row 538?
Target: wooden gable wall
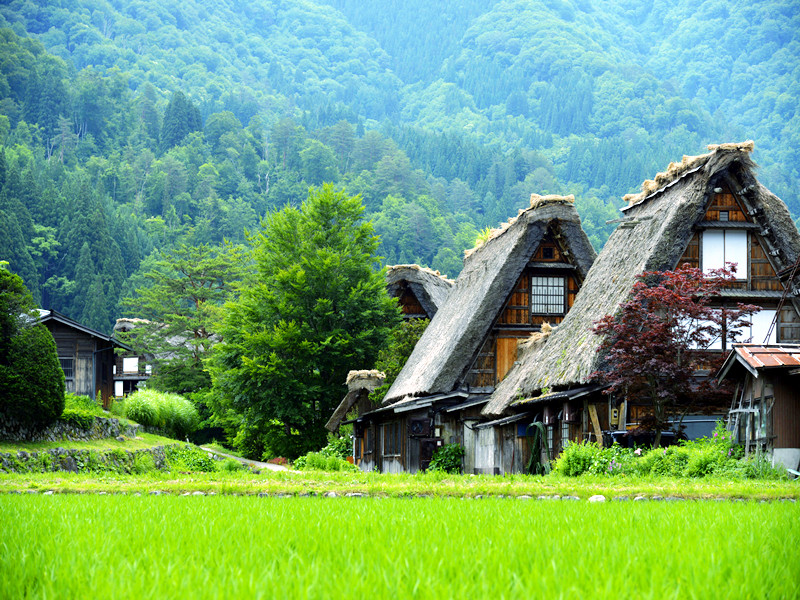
column 517, row 321
column 760, row 274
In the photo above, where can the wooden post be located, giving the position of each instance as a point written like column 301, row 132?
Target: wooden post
column 596, row 424
column 622, row 424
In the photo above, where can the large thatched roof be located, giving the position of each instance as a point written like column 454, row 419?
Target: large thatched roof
column 657, row 227
column 430, row 287
column 444, row 353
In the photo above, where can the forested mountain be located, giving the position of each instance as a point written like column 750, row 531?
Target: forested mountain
column 129, row 127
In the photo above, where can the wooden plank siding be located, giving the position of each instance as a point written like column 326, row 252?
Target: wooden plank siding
column 758, row 275
column 409, row 303
column 517, row 321
column 786, row 411
column 726, row 202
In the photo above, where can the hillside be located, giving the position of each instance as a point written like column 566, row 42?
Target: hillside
column 128, row 127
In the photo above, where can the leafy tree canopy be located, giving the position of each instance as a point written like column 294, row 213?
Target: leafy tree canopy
column 318, row 307
column 180, row 299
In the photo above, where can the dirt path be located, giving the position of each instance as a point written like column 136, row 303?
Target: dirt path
column 244, row 461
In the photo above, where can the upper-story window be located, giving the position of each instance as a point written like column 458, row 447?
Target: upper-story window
column 548, row 295
column 725, row 246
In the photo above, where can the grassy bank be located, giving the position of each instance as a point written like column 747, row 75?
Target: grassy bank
column 140, row 442
column 133, row 547
column 375, row 484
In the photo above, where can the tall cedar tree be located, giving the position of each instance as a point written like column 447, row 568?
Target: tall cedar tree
column 318, row 309
column 659, row 338
column 182, row 303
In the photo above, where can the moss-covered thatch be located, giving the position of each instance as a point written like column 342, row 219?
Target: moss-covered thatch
column 653, row 236
column 442, row 357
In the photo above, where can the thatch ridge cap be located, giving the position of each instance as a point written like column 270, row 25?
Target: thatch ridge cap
column 418, row 268
column 537, row 203
column 677, row 170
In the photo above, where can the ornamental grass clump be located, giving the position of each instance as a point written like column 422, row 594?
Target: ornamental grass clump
column 173, row 413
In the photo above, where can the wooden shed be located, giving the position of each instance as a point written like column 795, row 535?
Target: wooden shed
column 765, row 410
column 704, row 211
column 86, row 355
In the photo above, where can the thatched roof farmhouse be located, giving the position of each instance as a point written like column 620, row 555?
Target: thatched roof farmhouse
column 524, row 275
column 704, row 211
column 448, row 350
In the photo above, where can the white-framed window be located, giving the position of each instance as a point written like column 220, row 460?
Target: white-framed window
column 130, row 364
column 548, row 295
column 757, row 332
column 119, row 389
column 722, row 246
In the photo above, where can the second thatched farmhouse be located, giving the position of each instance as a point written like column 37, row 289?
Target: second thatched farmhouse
column 525, row 275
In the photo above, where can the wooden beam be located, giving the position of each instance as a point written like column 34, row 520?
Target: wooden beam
column 596, row 424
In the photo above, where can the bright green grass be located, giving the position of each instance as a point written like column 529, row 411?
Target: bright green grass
column 404, row 484
column 142, row 440
column 234, row 547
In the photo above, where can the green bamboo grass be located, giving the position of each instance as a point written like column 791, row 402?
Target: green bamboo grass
column 219, row 547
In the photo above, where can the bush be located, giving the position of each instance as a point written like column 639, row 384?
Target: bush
column 83, row 419
column 31, row 379
column 175, row 414
column 185, row 457
column 143, row 463
column 82, row 403
column 576, row 459
column 447, row 459
column 337, row 446
column 316, row 461
column 230, row 465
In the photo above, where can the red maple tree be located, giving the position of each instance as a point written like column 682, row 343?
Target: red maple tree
column 659, row 339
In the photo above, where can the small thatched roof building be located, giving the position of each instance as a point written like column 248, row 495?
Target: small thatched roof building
column 420, row 291
column 493, row 272
column 663, row 227
column 359, row 386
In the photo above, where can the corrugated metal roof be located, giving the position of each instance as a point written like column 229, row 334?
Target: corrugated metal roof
column 767, row 357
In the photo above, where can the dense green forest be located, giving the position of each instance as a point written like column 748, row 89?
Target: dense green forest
column 128, row 128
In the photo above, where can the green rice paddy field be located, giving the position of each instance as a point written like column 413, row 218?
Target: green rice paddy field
column 94, row 546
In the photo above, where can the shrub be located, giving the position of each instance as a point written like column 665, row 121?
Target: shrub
column 31, row 379
column 576, row 459
column 140, row 408
column 337, row 446
column 83, row 403
column 316, row 461
column 143, row 463
column 230, row 465
column 185, row 457
column 447, row 459
column 81, row 418
column 171, row 412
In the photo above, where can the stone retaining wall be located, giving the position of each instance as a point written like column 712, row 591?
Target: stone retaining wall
column 103, row 427
column 75, row 461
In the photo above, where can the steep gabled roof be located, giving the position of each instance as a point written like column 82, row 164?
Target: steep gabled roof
column 653, row 236
column 430, row 287
column 444, row 353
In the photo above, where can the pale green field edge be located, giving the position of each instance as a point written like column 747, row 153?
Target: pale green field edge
column 292, row 483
